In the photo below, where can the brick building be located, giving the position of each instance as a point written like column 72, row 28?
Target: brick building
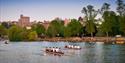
column 24, row 21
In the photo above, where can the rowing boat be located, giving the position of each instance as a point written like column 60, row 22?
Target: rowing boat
column 73, row 47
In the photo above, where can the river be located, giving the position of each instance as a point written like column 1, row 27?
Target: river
column 33, row 52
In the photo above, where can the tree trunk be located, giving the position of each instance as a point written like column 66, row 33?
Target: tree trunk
column 91, row 36
column 107, row 36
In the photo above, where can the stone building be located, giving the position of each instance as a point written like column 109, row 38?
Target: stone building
column 24, row 21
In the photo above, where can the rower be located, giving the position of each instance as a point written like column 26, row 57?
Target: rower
column 50, row 49
column 47, row 49
column 75, row 47
column 78, row 47
column 57, row 50
column 53, row 49
column 69, row 46
column 72, row 46
column 66, row 46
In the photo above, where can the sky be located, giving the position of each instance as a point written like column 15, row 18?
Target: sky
column 39, row 10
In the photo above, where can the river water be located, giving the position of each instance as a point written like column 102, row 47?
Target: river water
column 33, row 52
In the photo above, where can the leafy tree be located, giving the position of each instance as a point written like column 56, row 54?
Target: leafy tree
column 67, row 32
column 90, row 28
column 3, row 31
column 32, row 36
column 115, row 23
column 105, row 7
column 90, row 14
column 121, row 18
column 24, row 34
column 14, row 33
column 55, row 28
column 73, row 29
column 106, row 25
column 120, row 7
column 39, row 28
column 110, row 23
column 122, row 24
column 6, row 24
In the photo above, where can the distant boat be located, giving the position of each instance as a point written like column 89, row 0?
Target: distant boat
column 6, row 42
column 73, row 47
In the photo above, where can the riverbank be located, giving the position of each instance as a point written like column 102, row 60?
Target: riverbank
column 84, row 39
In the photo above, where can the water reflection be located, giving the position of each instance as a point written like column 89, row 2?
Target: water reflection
column 32, row 52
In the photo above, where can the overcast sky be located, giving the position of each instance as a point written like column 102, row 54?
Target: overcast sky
column 47, row 9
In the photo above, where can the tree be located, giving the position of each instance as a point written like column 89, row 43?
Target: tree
column 110, row 23
column 55, row 28
column 32, row 36
column 90, row 15
column 3, row 31
column 90, row 28
column 122, row 24
column 121, row 18
column 120, row 7
column 106, row 24
column 114, row 23
column 104, row 8
column 73, row 29
column 6, row 24
column 14, row 33
column 24, row 34
column 39, row 28
column 67, row 32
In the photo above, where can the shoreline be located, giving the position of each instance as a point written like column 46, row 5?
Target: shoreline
column 79, row 39
column 83, row 39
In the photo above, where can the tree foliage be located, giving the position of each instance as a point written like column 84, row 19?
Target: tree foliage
column 90, row 28
column 32, row 36
column 121, row 18
column 110, row 24
column 55, row 28
column 73, row 29
column 120, row 7
column 90, row 14
column 24, row 34
column 105, row 7
column 39, row 28
column 3, row 31
column 122, row 24
column 6, row 24
column 15, row 33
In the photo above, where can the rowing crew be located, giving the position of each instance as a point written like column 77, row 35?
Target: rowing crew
column 72, row 47
column 53, row 50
